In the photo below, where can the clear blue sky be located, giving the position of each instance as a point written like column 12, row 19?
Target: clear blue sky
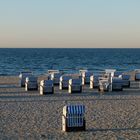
column 69, row 23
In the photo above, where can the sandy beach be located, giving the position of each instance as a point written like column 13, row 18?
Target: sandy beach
column 28, row 115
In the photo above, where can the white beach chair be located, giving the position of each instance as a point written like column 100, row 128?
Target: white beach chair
column 23, row 76
column 73, row 118
column 56, row 78
column 75, row 86
column 46, row 87
column 64, row 82
column 86, row 77
column 31, row 83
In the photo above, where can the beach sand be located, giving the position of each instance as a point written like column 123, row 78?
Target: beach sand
column 28, row 115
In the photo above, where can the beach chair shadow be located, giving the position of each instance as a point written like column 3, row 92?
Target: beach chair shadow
column 112, row 129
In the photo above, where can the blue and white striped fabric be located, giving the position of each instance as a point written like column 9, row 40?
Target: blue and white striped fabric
column 75, row 115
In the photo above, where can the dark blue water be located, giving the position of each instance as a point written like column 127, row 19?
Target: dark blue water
column 12, row 61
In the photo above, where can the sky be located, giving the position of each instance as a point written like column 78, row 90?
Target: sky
column 70, row 23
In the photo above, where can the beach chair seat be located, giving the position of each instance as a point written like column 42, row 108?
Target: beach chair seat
column 46, row 87
column 31, row 83
column 104, row 85
column 117, row 84
column 73, row 118
column 56, row 78
column 75, row 86
column 64, row 82
column 86, row 77
column 23, row 76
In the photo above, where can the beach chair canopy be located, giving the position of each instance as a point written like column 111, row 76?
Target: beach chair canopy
column 87, row 74
column 55, row 75
column 82, row 71
column 53, row 71
column 46, row 83
column 73, row 110
column 65, row 78
column 25, row 74
column 31, row 79
column 110, row 71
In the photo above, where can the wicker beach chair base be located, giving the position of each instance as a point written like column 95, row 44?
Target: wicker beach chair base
column 73, row 129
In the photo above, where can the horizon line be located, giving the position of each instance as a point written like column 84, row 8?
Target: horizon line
column 69, row 48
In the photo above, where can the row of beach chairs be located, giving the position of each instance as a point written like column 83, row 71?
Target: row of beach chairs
column 110, row 80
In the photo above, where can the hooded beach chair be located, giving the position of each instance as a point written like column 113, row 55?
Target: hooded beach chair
column 56, row 78
column 94, row 81
column 23, row 76
column 75, row 86
column 31, row 83
column 73, row 118
column 86, row 77
column 46, row 87
column 64, row 82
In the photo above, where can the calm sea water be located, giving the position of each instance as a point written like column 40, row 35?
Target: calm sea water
column 12, row 61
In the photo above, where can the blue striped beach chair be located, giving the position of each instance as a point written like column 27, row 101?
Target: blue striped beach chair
column 94, row 81
column 31, row 83
column 56, row 78
column 46, row 87
column 73, row 118
column 86, row 77
column 64, row 82
column 75, row 86
column 23, row 76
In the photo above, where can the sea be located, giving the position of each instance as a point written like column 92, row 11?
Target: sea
column 69, row 60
